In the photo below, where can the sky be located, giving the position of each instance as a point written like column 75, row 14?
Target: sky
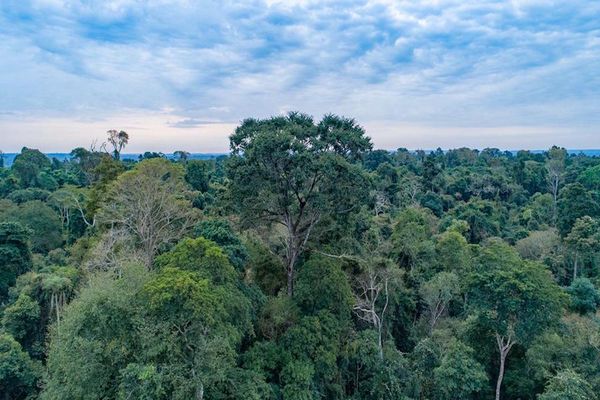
column 182, row 74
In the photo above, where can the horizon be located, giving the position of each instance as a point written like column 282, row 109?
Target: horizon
column 175, row 74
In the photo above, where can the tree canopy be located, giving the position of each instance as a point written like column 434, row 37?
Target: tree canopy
column 303, row 265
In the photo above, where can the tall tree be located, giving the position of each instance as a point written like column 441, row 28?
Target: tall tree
column 292, row 171
column 372, row 294
column 437, row 294
column 152, row 204
column 514, row 300
column 555, row 166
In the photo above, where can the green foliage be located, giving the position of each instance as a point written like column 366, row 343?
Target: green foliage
column 29, row 194
column 483, row 216
column 15, row 255
column 278, row 314
column 221, row 232
column 513, row 297
column 373, row 378
column 97, row 338
column 584, row 241
column 572, row 345
column 585, row 298
column 28, row 168
column 459, row 376
column 412, row 237
column 322, row 285
column 21, row 320
column 452, row 251
column 201, row 256
column 291, row 171
column 197, row 174
column 151, row 204
column 305, row 265
column 18, row 373
column 590, row 178
column 574, row 202
column 437, row 293
column 568, row 385
column 43, row 222
column 266, row 269
column 143, row 382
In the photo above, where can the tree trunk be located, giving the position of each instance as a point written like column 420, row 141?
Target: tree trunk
column 500, row 376
column 575, row 267
column 292, row 251
column 503, row 348
column 290, row 280
column 555, row 185
column 380, row 342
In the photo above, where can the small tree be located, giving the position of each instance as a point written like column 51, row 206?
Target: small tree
column 118, row 140
column 568, row 385
column 459, row 376
column 437, row 294
column 373, row 288
column 555, row 166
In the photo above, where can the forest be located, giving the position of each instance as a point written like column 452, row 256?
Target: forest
column 303, row 265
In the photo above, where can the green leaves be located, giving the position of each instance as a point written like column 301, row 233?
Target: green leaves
column 293, row 172
column 18, row 373
column 568, row 385
column 459, row 376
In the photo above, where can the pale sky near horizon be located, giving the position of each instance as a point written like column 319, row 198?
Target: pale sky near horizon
column 181, row 74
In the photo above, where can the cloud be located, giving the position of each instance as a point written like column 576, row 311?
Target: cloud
column 192, row 123
column 441, row 65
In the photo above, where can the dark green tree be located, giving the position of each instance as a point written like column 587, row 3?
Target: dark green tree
column 293, row 172
column 574, row 202
column 28, row 167
column 15, row 255
column 585, row 298
column 459, row 376
column 18, row 373
column 514, row 300
column 568, row 385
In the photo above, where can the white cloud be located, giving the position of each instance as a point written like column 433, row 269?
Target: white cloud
column 439, row 65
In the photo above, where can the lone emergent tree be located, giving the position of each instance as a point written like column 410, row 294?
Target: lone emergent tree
column 291, row 171
column 118, row 140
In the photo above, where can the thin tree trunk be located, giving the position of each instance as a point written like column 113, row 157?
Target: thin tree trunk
column 503, row 348
column 387, row 299
column 500, row 377
column 575, row 267
column 289, row 268
column 380, row 341
column 555, row 185
column 290, row 280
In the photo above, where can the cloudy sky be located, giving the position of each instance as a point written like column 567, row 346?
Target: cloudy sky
column 181, row 74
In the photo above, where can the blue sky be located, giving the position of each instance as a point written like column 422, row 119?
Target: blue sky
column 181, row 74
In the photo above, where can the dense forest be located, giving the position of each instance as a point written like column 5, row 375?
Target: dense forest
column 303, row 265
